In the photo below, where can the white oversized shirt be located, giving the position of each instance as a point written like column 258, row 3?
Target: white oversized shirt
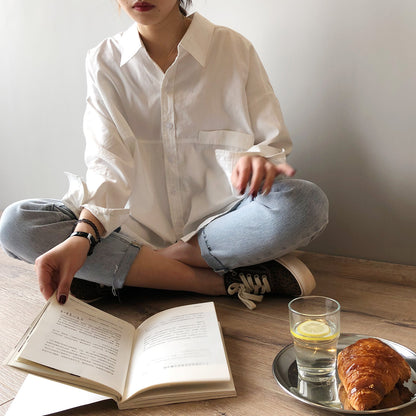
column 160, row 147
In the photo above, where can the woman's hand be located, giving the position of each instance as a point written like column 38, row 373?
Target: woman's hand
column 258, row 172
column 56, row 268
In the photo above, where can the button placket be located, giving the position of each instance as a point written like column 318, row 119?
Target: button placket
column 170, row 151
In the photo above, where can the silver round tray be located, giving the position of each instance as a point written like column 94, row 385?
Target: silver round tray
column 325, row 396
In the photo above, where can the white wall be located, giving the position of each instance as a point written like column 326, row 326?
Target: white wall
column 344, row 72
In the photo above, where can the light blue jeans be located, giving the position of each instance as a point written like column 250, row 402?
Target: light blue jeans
column 254, row 231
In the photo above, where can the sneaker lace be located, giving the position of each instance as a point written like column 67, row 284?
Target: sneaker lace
column 251, row 289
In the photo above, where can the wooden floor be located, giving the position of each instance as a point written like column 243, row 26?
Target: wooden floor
column 377, row 299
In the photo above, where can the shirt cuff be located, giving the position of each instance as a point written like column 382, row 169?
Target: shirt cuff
column 273, row 154
column 77, row 198
column 227, row 159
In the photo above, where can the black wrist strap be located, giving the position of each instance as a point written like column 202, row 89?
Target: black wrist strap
column 89, row 237
column 92, row 225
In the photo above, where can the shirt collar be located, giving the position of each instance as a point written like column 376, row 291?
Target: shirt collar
column 196, row 40
column 130, row 43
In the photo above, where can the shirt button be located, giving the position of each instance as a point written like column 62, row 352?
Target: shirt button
column 169, row 126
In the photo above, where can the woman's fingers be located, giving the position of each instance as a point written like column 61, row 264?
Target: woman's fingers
column 56, row 268
column 285, row 169
column 259, row 173
column 241, row 174
column 269, row 178
column 46, row 277
column 64, row 286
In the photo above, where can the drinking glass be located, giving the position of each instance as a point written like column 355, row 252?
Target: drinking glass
column 315, row 328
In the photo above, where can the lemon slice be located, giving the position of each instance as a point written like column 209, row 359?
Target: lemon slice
column 313, row 330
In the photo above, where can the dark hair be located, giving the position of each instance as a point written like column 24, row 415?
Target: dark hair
column 183, row 5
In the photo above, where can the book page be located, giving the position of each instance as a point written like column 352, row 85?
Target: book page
column 179, row 345
column 39, row 396
column 81, row 340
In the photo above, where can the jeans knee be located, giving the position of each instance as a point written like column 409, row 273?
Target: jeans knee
column 9, row 221
column 303, row 204
column 317, row 205
column 28, row 228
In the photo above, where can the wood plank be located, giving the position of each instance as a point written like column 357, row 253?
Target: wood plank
column 374, row 302
column 361, row 269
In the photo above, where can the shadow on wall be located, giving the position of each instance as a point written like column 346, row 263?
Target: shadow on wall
column 371, row 215
column 353, row 122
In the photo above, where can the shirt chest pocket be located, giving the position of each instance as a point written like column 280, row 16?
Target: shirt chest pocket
column 206, row 161
column 226, row 139
column 226, row 147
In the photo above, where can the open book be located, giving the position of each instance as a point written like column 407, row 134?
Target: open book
column 174, row 356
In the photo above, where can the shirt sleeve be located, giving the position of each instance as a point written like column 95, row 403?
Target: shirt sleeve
column 108, row 157
column 270, row 133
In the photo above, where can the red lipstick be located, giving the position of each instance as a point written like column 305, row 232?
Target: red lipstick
column 142, row 6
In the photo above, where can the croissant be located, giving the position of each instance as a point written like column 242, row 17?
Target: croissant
column 398, row 396
column 369, row 369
